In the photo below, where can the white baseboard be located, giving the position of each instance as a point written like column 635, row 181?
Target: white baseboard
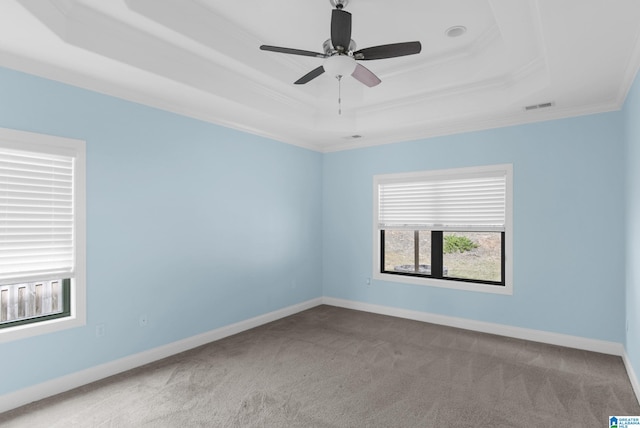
column 602, row 346
column 74, row 380
column 632, row 376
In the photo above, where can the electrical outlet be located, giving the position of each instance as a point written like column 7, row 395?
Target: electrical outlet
column 368, row 281
column 143, row 320
column 100, row 330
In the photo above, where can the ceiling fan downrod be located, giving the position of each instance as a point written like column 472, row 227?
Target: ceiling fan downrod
column 339, row 4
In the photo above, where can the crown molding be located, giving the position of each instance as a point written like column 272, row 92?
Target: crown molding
column 630, row 72
column 220, row 111
column 77, row 79
column 472, row 125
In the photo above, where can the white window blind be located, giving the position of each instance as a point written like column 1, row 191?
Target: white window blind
column 460, row 202
column 36, row 216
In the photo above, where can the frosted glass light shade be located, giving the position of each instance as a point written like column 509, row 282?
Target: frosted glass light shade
column 339, row 65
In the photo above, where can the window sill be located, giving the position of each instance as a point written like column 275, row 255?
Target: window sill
column 443, row 283
column 29, row 330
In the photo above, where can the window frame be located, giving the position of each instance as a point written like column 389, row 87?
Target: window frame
column 66, row 309
column 452, row 283
column 41, row 143
column 437, row 264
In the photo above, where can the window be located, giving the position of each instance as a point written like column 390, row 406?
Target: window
column 42, row 234
column 448, row 228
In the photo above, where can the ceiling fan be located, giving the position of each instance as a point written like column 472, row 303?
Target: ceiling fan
column 340, row 52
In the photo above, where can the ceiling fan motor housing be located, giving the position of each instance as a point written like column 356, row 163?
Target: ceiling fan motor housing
column 330, row 50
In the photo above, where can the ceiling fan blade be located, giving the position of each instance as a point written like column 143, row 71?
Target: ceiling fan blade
column 292, row 51
column 340, row 29
column 388, row 51
column 364, row 75
column 310, row 76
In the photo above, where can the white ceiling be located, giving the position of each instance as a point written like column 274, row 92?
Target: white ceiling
column 201, row 58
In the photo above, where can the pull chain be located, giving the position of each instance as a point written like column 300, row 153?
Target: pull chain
column 339, row 77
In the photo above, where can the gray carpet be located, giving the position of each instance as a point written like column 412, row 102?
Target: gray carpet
column 332, row 367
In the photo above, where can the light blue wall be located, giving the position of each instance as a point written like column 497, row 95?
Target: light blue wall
column 569, row 244
column 199, row 226
column 195, row 225
column 632, row 128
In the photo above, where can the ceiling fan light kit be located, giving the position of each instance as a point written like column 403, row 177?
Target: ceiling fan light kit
column 339, row 65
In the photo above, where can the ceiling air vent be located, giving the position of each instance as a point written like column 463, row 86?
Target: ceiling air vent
column 539, row 106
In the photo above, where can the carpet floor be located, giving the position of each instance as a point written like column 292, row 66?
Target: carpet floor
column 333, row 367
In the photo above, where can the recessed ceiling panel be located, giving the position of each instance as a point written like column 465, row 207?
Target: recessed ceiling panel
column 202, row 58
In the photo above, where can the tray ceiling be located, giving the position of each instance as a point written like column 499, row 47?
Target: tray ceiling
column 201, row 58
